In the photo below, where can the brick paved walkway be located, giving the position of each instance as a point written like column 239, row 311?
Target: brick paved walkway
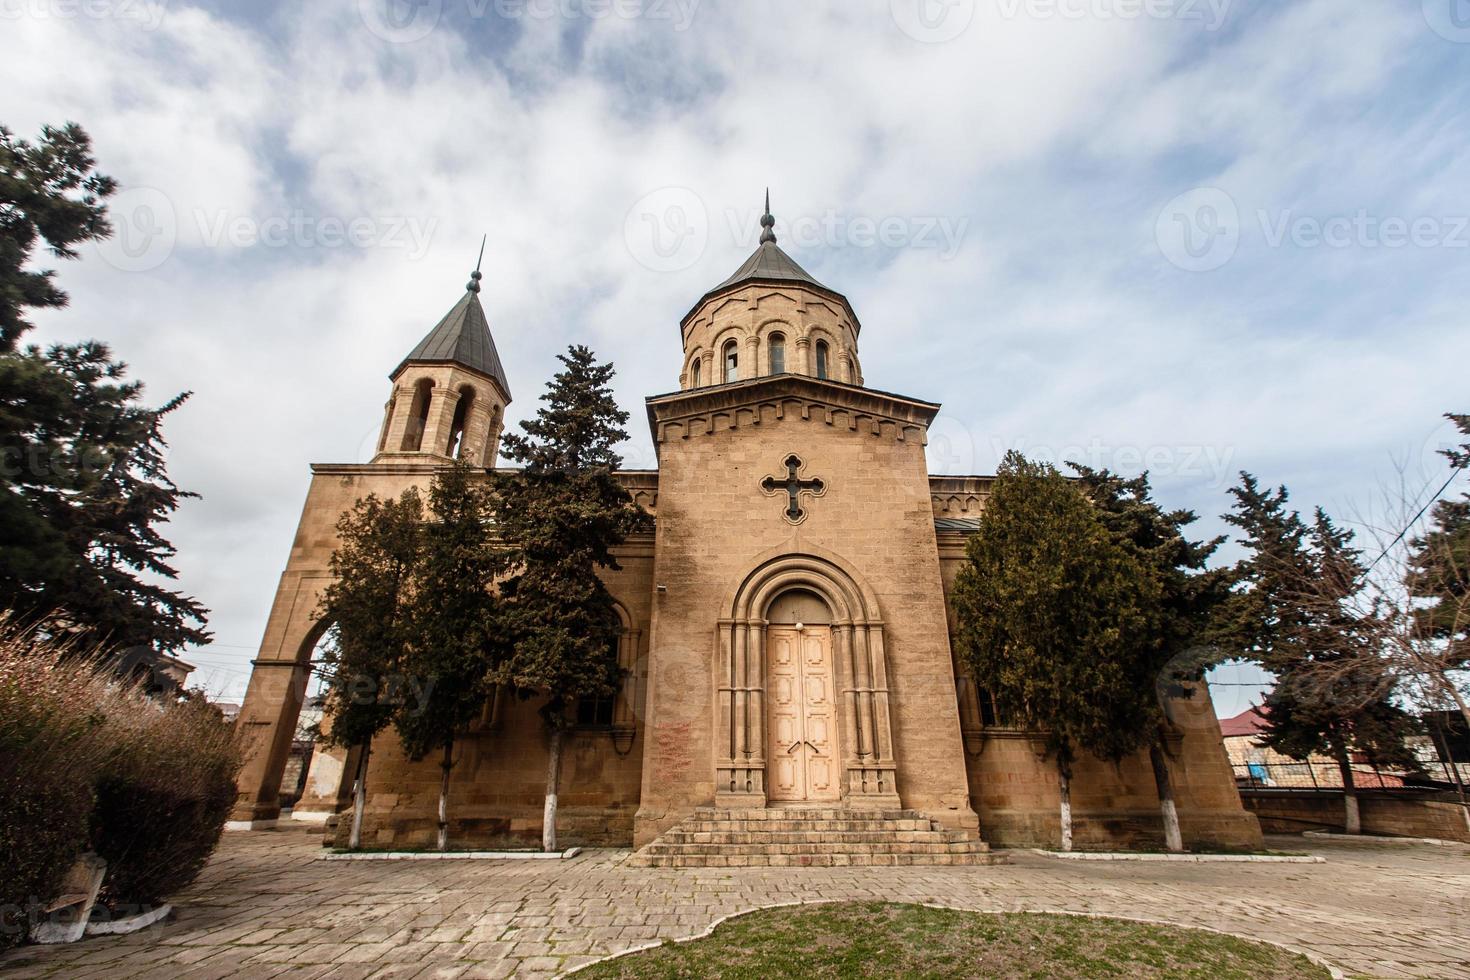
column 265, row 908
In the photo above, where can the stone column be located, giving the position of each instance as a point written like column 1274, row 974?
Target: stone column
column 441, row 420
column 402, row 405
column 803, row 363
column 751, row 368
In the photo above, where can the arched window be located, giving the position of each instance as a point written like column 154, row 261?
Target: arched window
column 456, row 447
column 418, row 416
column 732, row 363
column 694, row 373
column 821, row 358
column 777, row 345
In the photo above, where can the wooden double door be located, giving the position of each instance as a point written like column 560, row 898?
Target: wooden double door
column 801, row 710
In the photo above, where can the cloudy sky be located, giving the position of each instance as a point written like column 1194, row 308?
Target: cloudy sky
column 1196, row 236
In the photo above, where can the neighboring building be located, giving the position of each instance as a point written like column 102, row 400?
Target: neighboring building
column 786, row 632
column 1256, row 765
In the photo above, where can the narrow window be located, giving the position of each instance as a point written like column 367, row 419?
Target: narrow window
column 778, row 354
column 821, row 358
column 694, row 374
column 732, row 363
column 418, row 417
column 456, row 446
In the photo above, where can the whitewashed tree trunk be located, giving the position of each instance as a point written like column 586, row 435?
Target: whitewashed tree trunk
column 359, row 797
column 1352, row 818
column 553, row 777
column 444, row 767
column 1173, row 838
column 1065, row 783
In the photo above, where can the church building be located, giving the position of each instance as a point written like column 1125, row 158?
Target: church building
column 790, row 692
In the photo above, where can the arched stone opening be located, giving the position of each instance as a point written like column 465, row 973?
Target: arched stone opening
column 763, row 611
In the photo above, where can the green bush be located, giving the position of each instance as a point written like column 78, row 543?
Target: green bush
column 163, row 803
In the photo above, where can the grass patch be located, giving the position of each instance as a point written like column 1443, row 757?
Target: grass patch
column 884, row 940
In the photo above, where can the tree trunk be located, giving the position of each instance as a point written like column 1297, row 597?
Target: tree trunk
column 553, row 777
column 444, row 767
column 1352, row 821
column 1064, row 779
column 1173, row 839
column 359, row 797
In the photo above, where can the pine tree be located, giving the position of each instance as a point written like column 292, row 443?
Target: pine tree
column 83, row 482
column 1189, row 593
column 560, row 517
column 367, row 605
column 452, row 622
column 1294, row 612
column 1057, row 620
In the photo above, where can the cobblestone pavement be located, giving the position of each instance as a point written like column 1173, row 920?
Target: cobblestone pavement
column 266, row 908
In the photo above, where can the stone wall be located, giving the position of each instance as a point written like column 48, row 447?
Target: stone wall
column 1392, row 814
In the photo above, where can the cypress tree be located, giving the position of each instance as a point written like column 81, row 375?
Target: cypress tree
column 368, row 604
column 451, row 621
column 1057, row 620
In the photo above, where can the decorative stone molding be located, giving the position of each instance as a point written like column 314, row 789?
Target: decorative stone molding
column 785, row 398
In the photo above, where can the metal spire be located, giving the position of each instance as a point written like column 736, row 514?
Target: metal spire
column 768, row 222
column 475, row 277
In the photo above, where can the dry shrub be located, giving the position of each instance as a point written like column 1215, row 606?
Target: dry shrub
column 89, row 763
column 163, row 799
column 50, row 754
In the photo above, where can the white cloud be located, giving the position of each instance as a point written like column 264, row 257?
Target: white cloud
column 1053, row 142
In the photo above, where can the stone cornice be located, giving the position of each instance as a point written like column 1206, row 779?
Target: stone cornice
column 701, row 411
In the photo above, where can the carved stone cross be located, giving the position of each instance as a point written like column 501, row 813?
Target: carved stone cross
column 794, row 486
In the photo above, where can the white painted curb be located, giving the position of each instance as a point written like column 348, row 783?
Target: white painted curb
column 1181, row 858
column 1373, row 839
column 133, row 923
column 570, row 852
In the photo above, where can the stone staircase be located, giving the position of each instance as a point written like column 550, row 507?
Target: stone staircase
column 789, row 837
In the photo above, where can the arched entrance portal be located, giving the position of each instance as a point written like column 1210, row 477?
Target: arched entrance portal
column 803, row 689
column 801, row 721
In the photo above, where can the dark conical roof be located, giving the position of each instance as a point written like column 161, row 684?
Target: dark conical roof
column 463, row 338
column 769, row 262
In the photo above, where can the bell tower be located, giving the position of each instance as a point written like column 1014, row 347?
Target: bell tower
column 450, row 393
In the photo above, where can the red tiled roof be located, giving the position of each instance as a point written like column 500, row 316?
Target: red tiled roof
column 1248, row 722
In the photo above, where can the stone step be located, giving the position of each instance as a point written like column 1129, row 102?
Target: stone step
column 682, row 836
column 817, row 847
column 811, row 860
column 754, row 826
column 803, row 813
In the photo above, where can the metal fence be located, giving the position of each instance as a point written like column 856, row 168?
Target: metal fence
column 1323, row 774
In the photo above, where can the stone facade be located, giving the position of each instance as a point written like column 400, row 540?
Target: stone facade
column 786, row 628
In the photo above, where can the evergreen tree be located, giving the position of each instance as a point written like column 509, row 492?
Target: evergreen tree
column 49, row 192
column 452, row 622
column 1293, row 611
column 560, row 517
column 1059, row 621
column 1439, row 574
column 1189, row 593
column 367, row 605
column 1460, row 458
column 83, row 481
